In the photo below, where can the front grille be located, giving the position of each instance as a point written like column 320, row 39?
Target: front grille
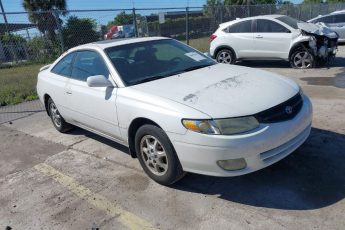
column 282, row 112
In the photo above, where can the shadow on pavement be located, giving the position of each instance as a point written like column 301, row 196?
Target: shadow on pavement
column 337, row 81
column 310, row 178
column 338, row 62
column 103, row 140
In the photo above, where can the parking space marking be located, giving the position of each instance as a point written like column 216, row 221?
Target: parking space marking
column 126, row 218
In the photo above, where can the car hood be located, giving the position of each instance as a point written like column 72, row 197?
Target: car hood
column 318, row 29
column 223, row 90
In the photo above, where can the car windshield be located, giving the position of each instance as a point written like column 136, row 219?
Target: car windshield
column 289, row 21
column 151, row 60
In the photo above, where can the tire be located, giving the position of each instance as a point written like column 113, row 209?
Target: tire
column 302, row 59
column 226, row 56
column 159, row 160
column 58, row 121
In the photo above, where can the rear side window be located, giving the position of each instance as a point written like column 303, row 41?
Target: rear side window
column 241, row 27
column 339, row 18
column 289, row 21
column 327, row 19
column 64, row 66
column 268, row 26
column 88, row 63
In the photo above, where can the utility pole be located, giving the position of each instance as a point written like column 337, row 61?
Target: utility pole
column 8, row 30
column 4, row 15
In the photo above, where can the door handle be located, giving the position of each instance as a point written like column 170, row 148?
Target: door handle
column 68, row 92
column 259, row 36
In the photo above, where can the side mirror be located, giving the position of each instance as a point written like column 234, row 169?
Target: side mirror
column 98, row 81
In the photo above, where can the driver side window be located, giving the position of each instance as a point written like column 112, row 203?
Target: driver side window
column 88, row 63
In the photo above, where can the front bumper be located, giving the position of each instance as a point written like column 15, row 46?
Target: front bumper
column 260, row 148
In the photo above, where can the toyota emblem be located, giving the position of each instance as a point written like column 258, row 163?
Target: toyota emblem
column 288, row 109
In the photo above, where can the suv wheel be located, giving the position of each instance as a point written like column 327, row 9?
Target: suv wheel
column 59, row 123
column 226, row 56
column 302, row 59
column 157, row 155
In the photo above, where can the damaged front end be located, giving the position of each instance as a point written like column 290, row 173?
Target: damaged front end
column 323, row 42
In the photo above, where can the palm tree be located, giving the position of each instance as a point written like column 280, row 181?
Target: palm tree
column 45, row 14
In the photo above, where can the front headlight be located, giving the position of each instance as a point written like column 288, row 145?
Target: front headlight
column 225, row 126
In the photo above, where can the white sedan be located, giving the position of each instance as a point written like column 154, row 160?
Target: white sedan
column 176, row 109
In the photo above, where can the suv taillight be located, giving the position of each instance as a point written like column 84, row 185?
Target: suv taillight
column 213, row 36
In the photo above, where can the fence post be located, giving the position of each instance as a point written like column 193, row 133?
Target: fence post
column 187, row 25
column 57, row 22
column 135, row 23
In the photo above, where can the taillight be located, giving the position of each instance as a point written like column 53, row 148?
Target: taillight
column 213, row 36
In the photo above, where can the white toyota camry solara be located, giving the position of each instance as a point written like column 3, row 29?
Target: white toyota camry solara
column 176, row 109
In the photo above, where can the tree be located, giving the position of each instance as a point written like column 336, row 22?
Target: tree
column 121, row 19
column 212, row 7
column 79, row 31
column 41, row 13
column 215, row 3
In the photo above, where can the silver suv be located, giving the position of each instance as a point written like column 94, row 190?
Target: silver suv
column 335, row 21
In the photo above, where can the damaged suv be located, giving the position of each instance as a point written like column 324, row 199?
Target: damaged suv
column 270, row 37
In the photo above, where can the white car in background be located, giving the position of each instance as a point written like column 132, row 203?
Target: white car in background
column 273, row 37
column 176, row 109
column 335, row 21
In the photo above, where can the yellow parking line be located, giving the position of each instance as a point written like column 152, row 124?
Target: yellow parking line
column 126, row 218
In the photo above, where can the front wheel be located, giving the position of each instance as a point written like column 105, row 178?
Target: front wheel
column 157, row 155
column 302, row 59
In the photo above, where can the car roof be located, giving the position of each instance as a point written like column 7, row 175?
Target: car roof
column 338, row 12
column 116, row 42
column 268, row 16
column 333, row 13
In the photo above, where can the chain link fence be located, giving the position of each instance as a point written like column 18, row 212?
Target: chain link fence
column 40, row 37
column 43, row 36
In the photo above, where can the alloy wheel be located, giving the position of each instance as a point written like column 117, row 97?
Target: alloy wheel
column 303, row 60
column 56, row 117
column 224, row 57
column 154, row 155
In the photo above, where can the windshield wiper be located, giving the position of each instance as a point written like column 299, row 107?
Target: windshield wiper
column 156, row 77
column 148, row 79
column 194, row 68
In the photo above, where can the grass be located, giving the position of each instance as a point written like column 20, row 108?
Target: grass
column 18, row 84
column 201, row 44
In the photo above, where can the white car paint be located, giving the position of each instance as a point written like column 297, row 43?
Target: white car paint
column 264, row 45
column 218, row 91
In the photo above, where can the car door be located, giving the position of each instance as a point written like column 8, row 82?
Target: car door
column 92, row 107
column 240, row 38
column 271, row 39
column 59, row 78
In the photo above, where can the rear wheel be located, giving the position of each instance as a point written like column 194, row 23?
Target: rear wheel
column 59, row 123
column 302, row 59
column 226, row 56
column 157, row 155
